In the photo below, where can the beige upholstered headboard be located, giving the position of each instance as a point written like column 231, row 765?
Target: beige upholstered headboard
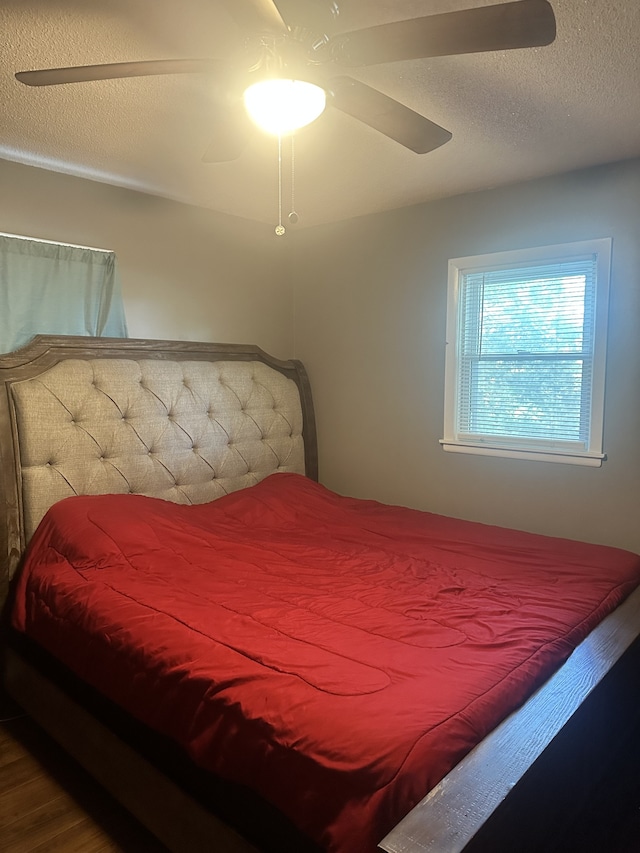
column 183, row 421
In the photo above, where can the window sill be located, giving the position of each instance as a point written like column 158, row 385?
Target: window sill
column 592, row 460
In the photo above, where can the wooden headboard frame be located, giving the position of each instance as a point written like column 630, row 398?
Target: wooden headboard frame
column 231, row 411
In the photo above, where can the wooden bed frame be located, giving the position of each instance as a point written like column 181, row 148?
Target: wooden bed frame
column 549, row 755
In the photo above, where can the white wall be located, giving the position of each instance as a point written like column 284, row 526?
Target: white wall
column 370, row 320
column 186, row 273
column 370, row 303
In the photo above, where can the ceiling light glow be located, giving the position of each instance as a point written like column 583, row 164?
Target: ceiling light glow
column 281, row 106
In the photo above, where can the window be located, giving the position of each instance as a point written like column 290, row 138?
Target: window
column 525, row 359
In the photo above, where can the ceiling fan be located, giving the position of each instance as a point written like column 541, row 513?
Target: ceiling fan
column 295, row 40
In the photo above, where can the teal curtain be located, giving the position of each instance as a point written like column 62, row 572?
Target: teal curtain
column 52, row 288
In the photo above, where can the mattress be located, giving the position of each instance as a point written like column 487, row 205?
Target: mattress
column 336, row 656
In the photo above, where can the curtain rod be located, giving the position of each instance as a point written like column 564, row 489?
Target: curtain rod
column 54, row 242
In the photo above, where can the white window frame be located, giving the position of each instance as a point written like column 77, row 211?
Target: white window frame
column 455, row 440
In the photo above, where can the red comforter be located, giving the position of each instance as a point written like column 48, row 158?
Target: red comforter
column 338, row 656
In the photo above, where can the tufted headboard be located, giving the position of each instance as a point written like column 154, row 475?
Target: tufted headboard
column 183, row 421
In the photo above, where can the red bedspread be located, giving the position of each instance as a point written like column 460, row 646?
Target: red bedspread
column 338, row 656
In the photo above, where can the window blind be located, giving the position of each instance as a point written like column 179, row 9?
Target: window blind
column 526, row 350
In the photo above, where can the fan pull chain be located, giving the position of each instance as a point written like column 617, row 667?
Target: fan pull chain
column 280, row 229
column 293, row 216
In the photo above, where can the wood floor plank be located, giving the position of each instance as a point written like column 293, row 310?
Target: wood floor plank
column 48, row 804
column 9, row 748
column 85, row 836
column 38, row 825
column 19, row 802
column 22, row 769
column 9, row 751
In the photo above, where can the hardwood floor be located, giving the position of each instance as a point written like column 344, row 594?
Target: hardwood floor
column 49, row 804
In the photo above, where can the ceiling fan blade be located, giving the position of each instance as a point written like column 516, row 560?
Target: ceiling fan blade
column 386, row 115
column 505, row 26
column 116, row 70
column 259, row 15
column 320, row 16
column 231, row 137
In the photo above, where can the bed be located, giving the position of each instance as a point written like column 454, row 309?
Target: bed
column 341, row 675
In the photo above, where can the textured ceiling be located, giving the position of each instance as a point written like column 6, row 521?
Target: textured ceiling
column 514, row 115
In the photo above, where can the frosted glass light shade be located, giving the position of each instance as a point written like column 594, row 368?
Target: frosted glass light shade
column 282, row 106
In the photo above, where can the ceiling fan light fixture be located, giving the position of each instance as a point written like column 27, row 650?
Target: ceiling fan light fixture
column 280, row 106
